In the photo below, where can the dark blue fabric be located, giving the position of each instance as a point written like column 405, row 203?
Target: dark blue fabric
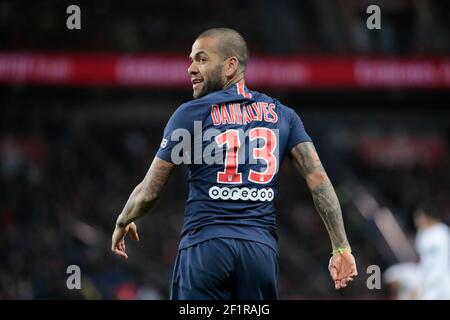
column 224, row 269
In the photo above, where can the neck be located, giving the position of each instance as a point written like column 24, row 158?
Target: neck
column 430, row 223
column 238, row 77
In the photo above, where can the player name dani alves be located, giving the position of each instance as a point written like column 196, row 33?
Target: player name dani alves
column 235, row 113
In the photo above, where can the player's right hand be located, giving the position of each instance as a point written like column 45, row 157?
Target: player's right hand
column 118, row 239
column 342, row 269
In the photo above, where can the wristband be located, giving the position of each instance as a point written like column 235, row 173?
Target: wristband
column 341, row 250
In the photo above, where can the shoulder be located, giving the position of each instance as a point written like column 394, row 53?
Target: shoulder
column 185, row 110
column 278, row 103
column 437, row 233
column 195, row 105
column 442, row 232
column 285, row 112
column 187, row 113
column 181, row 117
column 185, row 107
column 261, row 96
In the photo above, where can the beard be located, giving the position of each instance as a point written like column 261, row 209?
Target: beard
column 213, row 82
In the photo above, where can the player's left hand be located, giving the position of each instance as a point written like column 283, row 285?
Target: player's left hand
column 118, row 238
column 342, row 268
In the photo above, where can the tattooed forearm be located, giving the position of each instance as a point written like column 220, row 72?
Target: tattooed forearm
column 306, row 158
column 145, row 195
column 327, row 204
column 307, row 161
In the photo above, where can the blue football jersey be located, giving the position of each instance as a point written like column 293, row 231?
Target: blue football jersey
column 233, row 142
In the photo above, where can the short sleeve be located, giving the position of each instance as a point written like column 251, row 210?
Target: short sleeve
column 178, row 130
column 297, row 132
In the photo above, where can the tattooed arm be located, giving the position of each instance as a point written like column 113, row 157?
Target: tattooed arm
column 140, row 202
column 342, row 266
column 307, row 161
column 144, row 196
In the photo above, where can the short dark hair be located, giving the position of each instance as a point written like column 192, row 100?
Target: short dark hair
column 231, row 43
column 428, row 208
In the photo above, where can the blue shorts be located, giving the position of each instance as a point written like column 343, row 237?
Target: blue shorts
column 224, row 269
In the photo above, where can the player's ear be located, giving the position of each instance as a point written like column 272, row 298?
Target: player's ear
column 231, row 66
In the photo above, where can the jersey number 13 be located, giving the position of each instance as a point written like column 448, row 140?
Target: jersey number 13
column 231, row 173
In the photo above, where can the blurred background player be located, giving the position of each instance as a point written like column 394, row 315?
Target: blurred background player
column 403, row 280
column 433, row 247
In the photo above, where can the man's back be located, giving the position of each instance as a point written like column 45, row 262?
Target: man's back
column 233, row 141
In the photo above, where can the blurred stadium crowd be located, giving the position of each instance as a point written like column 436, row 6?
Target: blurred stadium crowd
column 69, row 157
column 274, row 26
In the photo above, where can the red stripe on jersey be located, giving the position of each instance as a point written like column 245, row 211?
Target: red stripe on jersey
column 241, row 90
